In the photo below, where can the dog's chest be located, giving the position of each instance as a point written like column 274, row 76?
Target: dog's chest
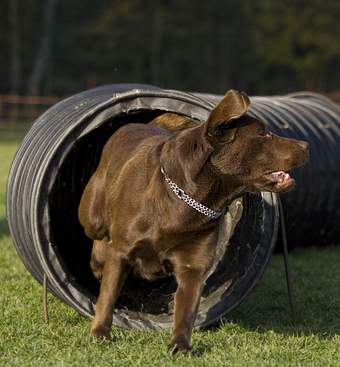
column 147, row 263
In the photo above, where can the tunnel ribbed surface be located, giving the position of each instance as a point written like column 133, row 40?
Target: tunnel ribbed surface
column 61, row 151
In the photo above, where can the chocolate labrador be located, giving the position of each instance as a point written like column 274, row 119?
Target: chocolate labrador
column 155, row 201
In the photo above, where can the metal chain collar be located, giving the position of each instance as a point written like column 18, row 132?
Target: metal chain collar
column 181, row 194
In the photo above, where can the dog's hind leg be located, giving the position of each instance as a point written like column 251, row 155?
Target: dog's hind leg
column 114, row 274
column 92, row 208
column 98, row 257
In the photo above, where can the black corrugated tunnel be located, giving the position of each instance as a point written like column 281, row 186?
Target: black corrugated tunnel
column 48, row 175
column 62, row 150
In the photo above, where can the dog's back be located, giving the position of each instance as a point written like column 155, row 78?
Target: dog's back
column 132, row 144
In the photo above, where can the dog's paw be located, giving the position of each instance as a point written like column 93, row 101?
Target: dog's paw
column 101, row 332
column 179, row 345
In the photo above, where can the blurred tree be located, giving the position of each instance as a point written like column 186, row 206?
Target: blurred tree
column 43, row 55
column 156, row 38
column 15, row 57
column 298, row 34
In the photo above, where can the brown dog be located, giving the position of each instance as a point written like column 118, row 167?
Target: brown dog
column 154, row 202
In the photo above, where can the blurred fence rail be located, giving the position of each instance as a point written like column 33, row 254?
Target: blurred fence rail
column 14, row 107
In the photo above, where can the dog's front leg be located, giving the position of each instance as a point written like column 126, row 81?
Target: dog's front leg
column 187, row 298
column 114, row 274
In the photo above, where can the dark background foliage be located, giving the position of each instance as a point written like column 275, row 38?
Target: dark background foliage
column 59, row 47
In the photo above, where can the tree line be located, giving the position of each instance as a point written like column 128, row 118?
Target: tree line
column 56, row 47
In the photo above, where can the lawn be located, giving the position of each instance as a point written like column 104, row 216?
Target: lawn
column 257, row 333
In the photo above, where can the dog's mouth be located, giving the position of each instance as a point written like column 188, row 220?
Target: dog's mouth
column 280, row 180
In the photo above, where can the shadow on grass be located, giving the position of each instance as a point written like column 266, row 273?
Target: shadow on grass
column 316, row 278
column 4, row 231
column 200, row 349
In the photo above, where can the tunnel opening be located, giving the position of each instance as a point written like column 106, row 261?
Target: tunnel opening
column 235, row 250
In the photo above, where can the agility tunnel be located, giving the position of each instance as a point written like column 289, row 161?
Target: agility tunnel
column 62, row 149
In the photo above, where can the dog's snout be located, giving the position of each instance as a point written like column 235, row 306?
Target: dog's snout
column 303, row 154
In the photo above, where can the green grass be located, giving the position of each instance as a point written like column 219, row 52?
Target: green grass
column 258, row 333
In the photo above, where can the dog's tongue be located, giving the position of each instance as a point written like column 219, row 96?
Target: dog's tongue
column 280, row 176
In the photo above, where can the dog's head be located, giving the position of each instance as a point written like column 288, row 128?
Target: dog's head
column 245, row 151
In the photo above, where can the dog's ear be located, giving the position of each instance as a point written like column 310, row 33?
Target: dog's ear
column 233, row 105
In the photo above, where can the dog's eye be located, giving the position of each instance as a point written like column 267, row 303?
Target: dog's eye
column 265, row 133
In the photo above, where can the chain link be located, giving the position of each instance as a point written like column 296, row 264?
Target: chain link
column 181, row 194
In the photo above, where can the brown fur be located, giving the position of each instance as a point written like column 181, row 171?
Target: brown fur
column 173, row 122
column 137, row 222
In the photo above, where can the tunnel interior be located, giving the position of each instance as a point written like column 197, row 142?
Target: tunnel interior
column 239, row 241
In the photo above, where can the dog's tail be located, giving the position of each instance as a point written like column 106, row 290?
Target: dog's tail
column 174, row 122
